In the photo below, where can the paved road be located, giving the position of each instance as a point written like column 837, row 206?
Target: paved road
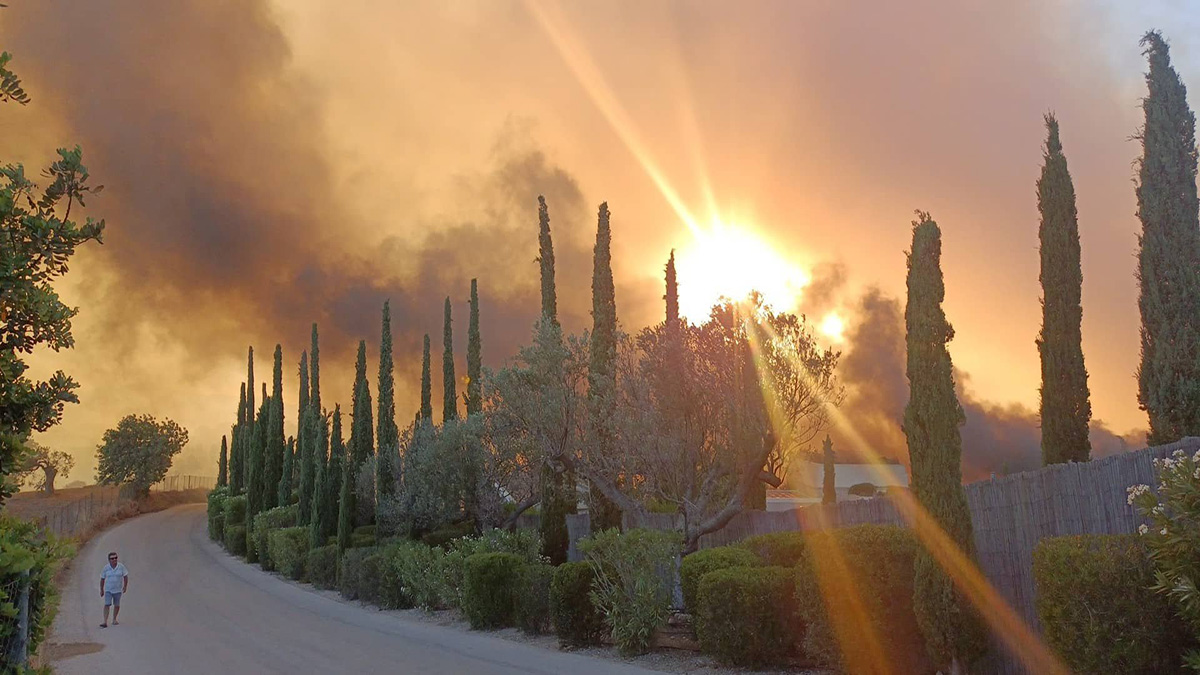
column 192, row 608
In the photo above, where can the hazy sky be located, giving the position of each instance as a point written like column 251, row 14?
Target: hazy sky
column 268, row 165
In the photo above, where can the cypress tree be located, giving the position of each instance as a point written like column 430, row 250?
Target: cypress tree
column 286, row 478
column 449, row 397
column 304, row 461
column 1169, row 254
column 256, row 478
column 828, row 486
column 237, row 470
column 602, row 377
column 387, row 435
column 275, row 437
column 474, row 357
column 345, row 511
column 250, row 391
column 672, row 294
column 362, row 443
column 223, row 465
column 932, row 419
column 328, row 486
column 1065, row 407
column 314, row 373
column 426, row 385
column 254, row 457
column 316, row 436
column 546, row 262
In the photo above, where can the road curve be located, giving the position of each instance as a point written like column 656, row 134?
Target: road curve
column 192, row 608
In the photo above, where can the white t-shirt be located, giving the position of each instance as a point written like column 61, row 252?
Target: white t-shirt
column 114, row 577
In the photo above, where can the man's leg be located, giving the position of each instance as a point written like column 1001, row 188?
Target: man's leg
column 116, row 608
column 107, row 602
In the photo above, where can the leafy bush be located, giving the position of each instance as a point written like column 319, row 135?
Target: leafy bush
column 444, row 535
column 216, row 512
column 533, row 597
column 1098, row 608
column 524, row 543
column 288, row 548
column 364, row 529
column 235, row 511
column 411, row 575
column 1174, row 536
column 577, row 621
column 23, row 548
column 235, row 539
column 778, row 549
column 489, row 589
column 267, row 522
column 746, row 616
column 696, row 565
column 361, row 540
column 860, row 579
column 322, row 566
column 635, row 573
column 358, row 574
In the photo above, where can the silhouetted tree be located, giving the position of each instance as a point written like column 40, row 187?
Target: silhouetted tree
column 304, row 451
column 1065, row 408
column 237, row 453
column 602, row 375
column 932, row 419
column 275, row 437
column 345, row 512
column 362, row 442
column 1169, row 254
column 426, row 385
column 387, row 435
column 449, row 395
column 223, row 464
column 474, row 357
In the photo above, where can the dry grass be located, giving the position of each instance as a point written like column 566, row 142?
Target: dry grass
column 32, row 505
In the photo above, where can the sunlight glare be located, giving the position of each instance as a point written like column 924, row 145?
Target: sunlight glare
column 833, row 327
column 730, row 261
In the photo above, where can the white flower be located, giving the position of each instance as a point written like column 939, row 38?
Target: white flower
column 1142, row 529
column 1178, row 454
column 1136, row 491
column 1196, row 457
column 1163, row 531
column 1196, row 474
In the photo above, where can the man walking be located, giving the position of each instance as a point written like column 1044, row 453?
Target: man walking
column 114, row 580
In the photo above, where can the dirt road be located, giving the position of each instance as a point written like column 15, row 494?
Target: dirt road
column 192, row 608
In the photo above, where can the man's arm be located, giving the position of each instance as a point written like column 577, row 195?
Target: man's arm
column 125, row 586
column 102, row 586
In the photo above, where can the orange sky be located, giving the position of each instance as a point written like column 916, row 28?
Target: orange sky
column 387, row 138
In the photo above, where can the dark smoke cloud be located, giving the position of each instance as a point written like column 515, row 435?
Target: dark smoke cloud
column 996, row 438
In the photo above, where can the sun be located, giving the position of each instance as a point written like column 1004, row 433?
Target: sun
column 833, row 327
column 730, row 261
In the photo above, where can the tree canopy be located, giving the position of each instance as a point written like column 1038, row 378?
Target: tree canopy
column 139, row 451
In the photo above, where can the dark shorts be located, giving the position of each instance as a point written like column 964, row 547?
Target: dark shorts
column 113, row 599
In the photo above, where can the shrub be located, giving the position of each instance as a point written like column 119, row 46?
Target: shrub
column 267, row 522
column 322, row 566
column 25, row 547
column 696, row 565
column 235, row 539
column 635, row 573
column 489, row 589
column 533, row 597
column 577, row 621
column 235, row 511
column 855, row 580
column 1173, row 537
column 361, row 540
column 288, row 548
column 1098, row 609
column 411, row 575
column 746, row 616
column 358, row 574
column 216, row 509
column 364, row 529
column 444, row 535
column 524, row 543
column 778, row 549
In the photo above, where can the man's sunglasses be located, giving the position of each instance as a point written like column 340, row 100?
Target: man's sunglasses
column 112, row 557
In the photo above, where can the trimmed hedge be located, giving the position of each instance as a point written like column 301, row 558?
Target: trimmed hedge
column 577, row 622
column 322, row 566
column 696, row 565
column 411, row 575
column 216, row 527
column 364, row 529
column 361, row 540
column 444, row 535
column 489, row 589
column 235, row 540
column 533, row 598
column 1099, row 614
column 856, row 574
column 778, row 549
column 216, row 513
column 746, row 616
column 288, row 548
column 267, row 522
column 358, row 574
column 524, row 543
column 235, row 511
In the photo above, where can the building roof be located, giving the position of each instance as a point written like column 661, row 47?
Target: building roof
column 846, row 476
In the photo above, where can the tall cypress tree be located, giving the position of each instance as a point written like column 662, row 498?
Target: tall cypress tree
column 345, row 513
column 546, row 262
column 672, row 294
column 223, row 464
column 426, row 385
column 931, row 424
column 387, row 434
column 254, row 458
column 328, row 486
column 474, row 357
column 287, row 475
column 449, row 397
column 1169, row 254
column 250, row 409
column 1065, row 407
column 275, row 438
column 304, row 463
column 362, row 443
column 237, row 470
column 602, row 377
column 317, row 438
column 256, row 478
column 828, row 485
